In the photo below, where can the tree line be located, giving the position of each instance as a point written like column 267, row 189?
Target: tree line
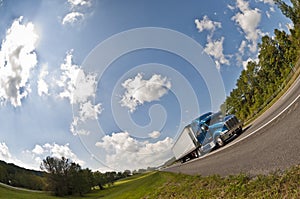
column 277, row 58
column 61, row 177
column 65, row 177
column 19, row 177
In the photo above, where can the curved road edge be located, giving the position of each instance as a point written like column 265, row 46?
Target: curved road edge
column 272, row 115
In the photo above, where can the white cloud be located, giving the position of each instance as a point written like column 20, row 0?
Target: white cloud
column 230, row 7
column 242, row 47
column 87, row 111
column 248, row 20
column 124, row 152
column 4, row 152
column 32, row 158
column 215, row 49
column 154, row 134
column 207, row 24
column 77, row 86
column 6, row 156
column 38, row 150
column 245, row 63
column 270, row 2
column 268, row 14
column 138, row 91
column 75, row 3
column 72, row 18
column 59, row 151
column 54, row 150
column 17, row 59
column 77, row 11
column 43, row 87
column 241, row 52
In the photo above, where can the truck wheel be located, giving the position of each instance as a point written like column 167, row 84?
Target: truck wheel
column 198, row 151
column 220, row 142
column 240, row 131
column 183, row 160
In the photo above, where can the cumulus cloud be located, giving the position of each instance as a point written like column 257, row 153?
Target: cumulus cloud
column 87, row 111
column 4, row 152
column 17, row 59
column 138, row 90
column 75, row 3
column 77, row 11
column 207, row 24
column 43, row 87
column 76, row 85
column 72, row 18
column 125, row 152
column 242, row 47
column 39, row 152
column 215, row 49
column 248, row 20
column 241, row 52
column 6, row 156
column 154, row 134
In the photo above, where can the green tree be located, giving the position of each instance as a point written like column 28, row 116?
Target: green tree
column 3, row 174
column 58, row 171
column 259, row 83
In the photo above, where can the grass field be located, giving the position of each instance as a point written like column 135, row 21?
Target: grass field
column 169, row 185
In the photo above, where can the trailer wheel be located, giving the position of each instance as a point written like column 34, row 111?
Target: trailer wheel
column 220, row 142
column 183, row 160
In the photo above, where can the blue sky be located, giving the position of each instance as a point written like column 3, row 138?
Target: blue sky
column 110, row 84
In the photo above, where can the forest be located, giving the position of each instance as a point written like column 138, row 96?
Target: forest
column 61, row 177
column 278, row 59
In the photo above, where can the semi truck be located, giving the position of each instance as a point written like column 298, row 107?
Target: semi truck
column 205, row 133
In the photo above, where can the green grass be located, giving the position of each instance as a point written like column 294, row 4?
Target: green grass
column 169, row 185
column 7, row 193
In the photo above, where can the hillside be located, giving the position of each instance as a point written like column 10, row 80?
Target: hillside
column 16, row 176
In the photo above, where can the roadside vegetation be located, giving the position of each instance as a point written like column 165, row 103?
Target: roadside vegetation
column 155, row 185
column 60, row 177
column 278, row 60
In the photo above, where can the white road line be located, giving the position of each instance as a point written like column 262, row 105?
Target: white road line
column 291, row 88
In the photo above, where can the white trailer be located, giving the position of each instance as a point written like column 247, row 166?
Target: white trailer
column 198, row 138
column 185, row 145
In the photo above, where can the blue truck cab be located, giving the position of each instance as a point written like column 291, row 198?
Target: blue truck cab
column 214, row 130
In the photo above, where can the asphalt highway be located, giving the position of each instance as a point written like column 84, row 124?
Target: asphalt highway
column 270, row 143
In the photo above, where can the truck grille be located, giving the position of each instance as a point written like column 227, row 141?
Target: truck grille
column 231, row 123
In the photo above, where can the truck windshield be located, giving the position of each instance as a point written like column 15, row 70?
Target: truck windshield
column 202, row 117
column 201, row 135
